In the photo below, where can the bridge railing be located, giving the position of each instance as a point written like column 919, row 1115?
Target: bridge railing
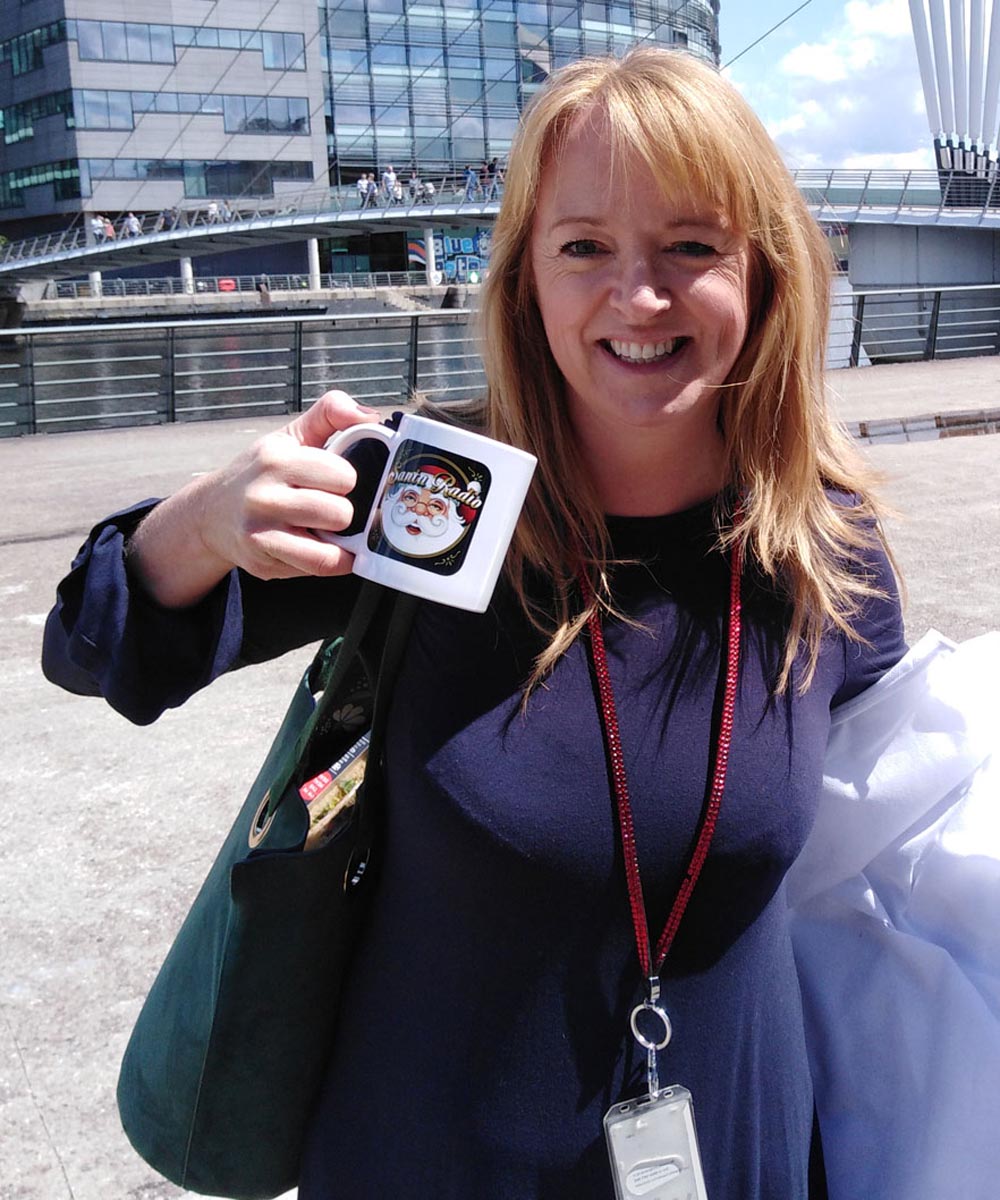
column 938, row 191
column 448, row 193
column 80, row 289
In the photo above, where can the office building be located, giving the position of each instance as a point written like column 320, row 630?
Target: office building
column 441, row 85
column 112, row 106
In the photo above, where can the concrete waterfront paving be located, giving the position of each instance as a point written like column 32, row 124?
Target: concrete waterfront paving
column 109, row 829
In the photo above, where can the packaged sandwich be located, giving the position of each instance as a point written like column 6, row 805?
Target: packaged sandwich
column 329, row 796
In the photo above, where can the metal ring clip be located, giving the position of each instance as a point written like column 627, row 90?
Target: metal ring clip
column 645, row 1042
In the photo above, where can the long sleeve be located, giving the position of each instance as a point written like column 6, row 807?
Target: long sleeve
column 107, row 637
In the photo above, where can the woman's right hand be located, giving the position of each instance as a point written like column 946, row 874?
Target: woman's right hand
column 257, row 513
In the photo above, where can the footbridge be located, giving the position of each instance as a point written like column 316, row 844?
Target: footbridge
column 946, row 200
column 189, row 231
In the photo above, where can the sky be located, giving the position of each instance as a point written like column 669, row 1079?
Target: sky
column 837, row 85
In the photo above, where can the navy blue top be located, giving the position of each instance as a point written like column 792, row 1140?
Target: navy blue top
column 484, row 1030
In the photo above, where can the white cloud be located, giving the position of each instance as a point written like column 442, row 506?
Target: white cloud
column 862, row 52
column 845, row 97
column 905, row 160
column 814, row 61
column 891, row 18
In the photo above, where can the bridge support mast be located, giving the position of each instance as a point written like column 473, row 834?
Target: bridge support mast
column 187, row 277
column 315, row 281
column 431, row 257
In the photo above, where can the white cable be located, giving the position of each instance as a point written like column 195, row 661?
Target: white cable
column 992, row 78
column 939, row 32
column 959, row 66
column 976, row 32
column 925, row 61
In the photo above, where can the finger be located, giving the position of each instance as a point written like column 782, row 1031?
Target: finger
column 304, row 509
column 278, row 458
column 286, row 553
column 332, row 412
column 321, row 469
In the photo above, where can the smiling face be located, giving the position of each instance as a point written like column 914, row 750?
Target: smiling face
column 643, row 297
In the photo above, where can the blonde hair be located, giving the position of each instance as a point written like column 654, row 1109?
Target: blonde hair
column 697, row 136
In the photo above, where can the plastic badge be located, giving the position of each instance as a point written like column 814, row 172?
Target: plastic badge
column 654, row 1148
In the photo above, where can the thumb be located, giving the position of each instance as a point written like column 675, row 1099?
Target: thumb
column 332, row 412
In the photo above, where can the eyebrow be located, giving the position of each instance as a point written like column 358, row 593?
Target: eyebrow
column 684, row 221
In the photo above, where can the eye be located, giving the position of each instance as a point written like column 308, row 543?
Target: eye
column 580, row 248
column 436, row 507
column 409, row 497
column 693, row 249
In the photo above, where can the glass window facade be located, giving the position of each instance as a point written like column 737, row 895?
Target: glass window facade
column 214, row 177
column 128, row 41
column 442, row 85
column 25, row 52
column 90, row 108
column 17, row 121
column 64, row 177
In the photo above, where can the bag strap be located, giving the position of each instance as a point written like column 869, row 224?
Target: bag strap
column 369, row 797
column 339, row 654
column 348, row 647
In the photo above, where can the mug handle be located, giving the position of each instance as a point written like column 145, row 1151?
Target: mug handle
column 339, row 442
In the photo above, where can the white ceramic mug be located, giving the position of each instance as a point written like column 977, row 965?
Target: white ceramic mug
column 444, row 513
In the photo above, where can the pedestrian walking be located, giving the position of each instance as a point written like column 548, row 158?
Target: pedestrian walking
column 388, row 183
column 496, row 181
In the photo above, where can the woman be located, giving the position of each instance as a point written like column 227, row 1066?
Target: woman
column 654, row 326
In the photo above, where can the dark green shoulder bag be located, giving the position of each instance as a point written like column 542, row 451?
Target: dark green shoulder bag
column 227, row 1055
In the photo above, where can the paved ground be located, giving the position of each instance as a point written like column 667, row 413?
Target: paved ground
column 109, row 829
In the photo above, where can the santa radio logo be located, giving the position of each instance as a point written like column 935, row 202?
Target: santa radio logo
column 429, row 508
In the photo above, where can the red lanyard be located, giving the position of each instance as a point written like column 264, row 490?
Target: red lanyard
column 609, row 721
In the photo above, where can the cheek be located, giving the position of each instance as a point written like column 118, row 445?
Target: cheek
column 723, row 305
column 564, row 303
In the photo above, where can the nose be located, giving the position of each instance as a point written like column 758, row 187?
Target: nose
column 641, row 293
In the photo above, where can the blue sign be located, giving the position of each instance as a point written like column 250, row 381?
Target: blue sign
column 460, row 259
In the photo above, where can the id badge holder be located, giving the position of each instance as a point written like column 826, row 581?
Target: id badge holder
column 654, row 1149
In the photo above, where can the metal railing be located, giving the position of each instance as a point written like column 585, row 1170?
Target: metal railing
column 99, row 376
column 81, row 289
column 926, row 192
column 448, row 194
column 910, row 324
column 116, row 374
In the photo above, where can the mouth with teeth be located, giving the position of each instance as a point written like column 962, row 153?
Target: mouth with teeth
column 641, row 354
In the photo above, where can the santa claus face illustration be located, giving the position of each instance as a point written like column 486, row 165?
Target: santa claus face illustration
column 419, row 521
